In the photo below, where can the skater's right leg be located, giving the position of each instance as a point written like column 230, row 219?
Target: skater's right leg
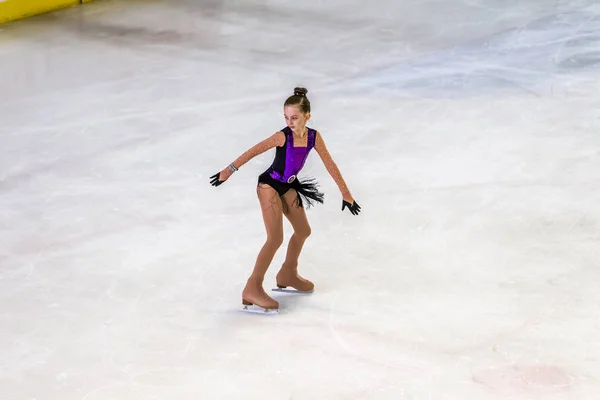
column 272, row 212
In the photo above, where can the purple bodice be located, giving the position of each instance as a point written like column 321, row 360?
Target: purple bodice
column 286, row 170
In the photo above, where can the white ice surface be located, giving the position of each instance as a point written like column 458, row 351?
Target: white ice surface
column 467, row 130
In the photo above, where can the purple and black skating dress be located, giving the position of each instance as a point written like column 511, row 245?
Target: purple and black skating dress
column 289, row 160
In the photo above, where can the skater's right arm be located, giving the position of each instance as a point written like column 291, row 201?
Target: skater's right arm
column 275, row 140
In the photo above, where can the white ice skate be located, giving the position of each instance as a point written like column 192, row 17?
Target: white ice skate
column 285, row 289
column 253, row 308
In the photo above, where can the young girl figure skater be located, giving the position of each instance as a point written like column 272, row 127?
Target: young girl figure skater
column 280, row 193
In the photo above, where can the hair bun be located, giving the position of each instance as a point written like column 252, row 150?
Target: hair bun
column 299, row 91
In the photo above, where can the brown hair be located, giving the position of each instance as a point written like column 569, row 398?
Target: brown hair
column 299, row 99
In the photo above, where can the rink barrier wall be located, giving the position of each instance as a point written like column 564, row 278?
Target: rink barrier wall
column 11, row 10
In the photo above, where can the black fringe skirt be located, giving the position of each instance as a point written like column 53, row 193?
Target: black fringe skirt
column 306, row 190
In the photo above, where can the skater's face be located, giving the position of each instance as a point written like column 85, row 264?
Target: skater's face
column 295, row 119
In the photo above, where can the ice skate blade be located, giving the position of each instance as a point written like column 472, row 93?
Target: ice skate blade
column 251, row 308
column 292, row 290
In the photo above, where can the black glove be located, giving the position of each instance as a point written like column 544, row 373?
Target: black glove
column 354, row 208
column 214, row 180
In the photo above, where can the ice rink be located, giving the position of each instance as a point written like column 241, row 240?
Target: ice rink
column 468, row 131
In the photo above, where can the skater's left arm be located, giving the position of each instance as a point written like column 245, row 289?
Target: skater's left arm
column 334, row 171
column 332, row 168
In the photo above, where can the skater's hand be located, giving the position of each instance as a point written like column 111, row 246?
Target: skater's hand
column 220, row 177
column 354, row 207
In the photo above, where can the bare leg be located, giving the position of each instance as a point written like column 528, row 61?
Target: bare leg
column 272, row 212
column 288, row 275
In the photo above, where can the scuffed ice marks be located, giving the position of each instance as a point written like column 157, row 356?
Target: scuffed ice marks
column 528, row 59
column 581, row 49
column 582, row 60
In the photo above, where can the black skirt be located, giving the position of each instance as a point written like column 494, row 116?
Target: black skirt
column 306, row 190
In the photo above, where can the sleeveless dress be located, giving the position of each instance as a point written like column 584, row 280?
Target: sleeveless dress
column 289, row 160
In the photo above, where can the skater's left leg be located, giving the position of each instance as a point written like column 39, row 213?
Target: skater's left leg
column 288, row 275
